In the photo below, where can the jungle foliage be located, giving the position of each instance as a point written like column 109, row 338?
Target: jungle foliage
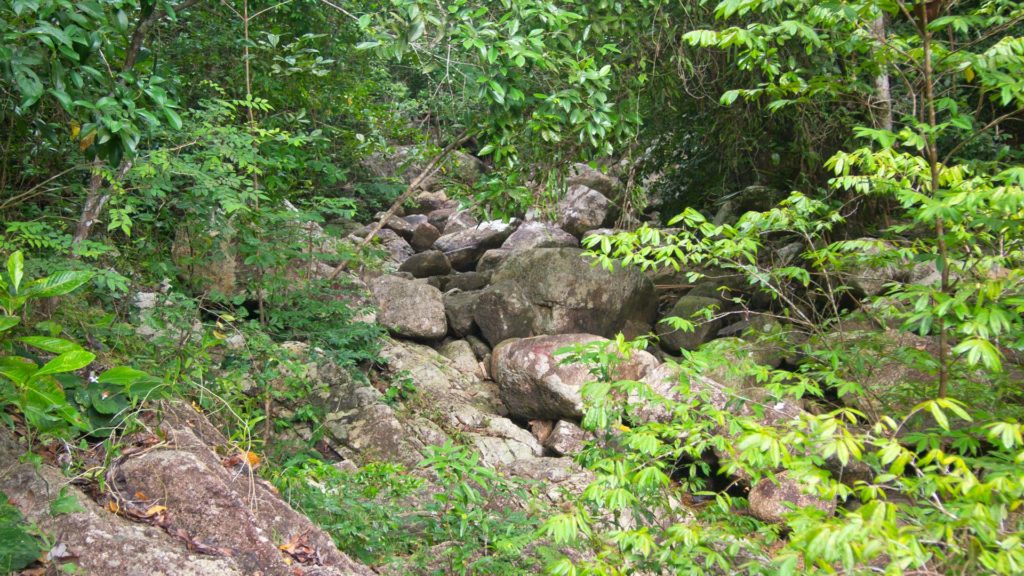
column 145, row 142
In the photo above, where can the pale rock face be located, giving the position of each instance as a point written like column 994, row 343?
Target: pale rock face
column 410, row 308
column 534, row 384
column 583, row 209
column 539, row 235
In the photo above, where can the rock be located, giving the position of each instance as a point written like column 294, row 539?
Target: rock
column 558, row 291
column 464, row 248
column 703, row 331
column 869, row 279
column 207, row 505
column 503, row 311
column 467, row 281
column 584, row 175
column 427, row 202
column 425, row 264
column 492, row 259
column 424, row 237
column 410, row 308
column 460, row 308
column 463, row 402
column 480, row 348
column 439, row 218
column 404, row 227
column 462, row 357
column 539, row 235
column 397, row 248
column 556, row 476
column 583, row 209
column 459, row 221
column 566, row 439
column 534, row 385
column 771, row 499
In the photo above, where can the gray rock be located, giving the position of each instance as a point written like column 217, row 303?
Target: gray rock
column 465, row 247
column 584, row 175
column 480, row 348
column 459, row 221
column 462, row 357
column 771, row 499
column 492, row 259
column 424, row 237
column 409, row 308
column 503, row 311
column 460, row 309
column 427, row 202
column 397, row 248
column 558, row 291
column 583, row 209
column 539, row 235
column 704, row 330
column 467, row 281
column 426, row 264
column 566, row 439
column 870, row 280
column 534, row 384
column 439, row 218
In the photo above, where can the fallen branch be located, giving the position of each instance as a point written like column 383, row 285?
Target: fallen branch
column 427, row 172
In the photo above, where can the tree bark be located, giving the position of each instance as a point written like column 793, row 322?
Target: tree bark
column 883, row 92
column 96, row 197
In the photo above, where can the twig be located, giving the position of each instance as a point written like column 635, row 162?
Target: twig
column 415, row 185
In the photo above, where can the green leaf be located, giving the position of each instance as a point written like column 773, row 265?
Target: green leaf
column 122, row 376
column 58, row 284
column 51, row 345
column 17, row 369
column 16, row 269
column 66, row 362
column 8, row 322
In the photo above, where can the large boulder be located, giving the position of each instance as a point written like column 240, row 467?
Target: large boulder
column 558, row 291
column 584, row 209
column 464, row 248
column 426, row 264
column 539, row 235
column 703, row 330
column 195, row 514
column 504, row 311
column 869, row 276
column 535, row 384
column 410, row 308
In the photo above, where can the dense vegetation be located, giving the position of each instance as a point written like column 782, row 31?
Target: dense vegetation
column 144, row 142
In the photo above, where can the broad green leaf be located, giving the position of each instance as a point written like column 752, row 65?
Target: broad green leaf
column 8, row 322
column 17, row 369
column 58, row 284
column 66, row 362
column 122, row 376
column 50, row 344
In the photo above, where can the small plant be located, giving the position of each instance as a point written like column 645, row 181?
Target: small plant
column 37, row 387
column 400, row 387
